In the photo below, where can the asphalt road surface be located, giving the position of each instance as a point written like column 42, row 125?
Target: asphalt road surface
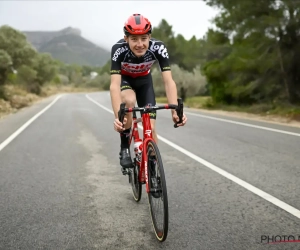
column 232, row 183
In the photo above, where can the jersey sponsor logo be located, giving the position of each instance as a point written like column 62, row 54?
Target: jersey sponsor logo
column 137, row 68
column 152, row 115
column 126, row 87
column 148, row 57
column 115, row 71
column 118, row 52
column 162, row 50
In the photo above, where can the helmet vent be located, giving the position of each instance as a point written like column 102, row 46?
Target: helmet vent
column 137, row 19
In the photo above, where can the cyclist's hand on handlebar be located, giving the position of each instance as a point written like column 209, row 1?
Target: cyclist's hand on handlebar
column 176, row 119
column 118, row 126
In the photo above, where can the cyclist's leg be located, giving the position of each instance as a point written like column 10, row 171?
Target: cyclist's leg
column 145, row 95
column 128, row 96
column 153, row 125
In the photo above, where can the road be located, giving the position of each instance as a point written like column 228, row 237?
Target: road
column 231, row 182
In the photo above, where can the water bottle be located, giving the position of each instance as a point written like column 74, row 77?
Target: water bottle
column 138, row 144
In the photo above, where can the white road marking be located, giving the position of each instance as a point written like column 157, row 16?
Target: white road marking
column 244, row 124
column 235, row 179
column 227, row 175
column 24, row 126
column 101, row 106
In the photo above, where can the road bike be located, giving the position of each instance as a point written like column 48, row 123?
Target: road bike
column 147, row 165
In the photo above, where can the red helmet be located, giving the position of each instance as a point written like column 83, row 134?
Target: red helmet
column 137, row 24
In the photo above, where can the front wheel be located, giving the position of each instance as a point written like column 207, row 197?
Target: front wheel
column 158, row 198
column 135, row 184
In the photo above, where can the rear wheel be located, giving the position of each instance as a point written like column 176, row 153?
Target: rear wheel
column 158, row 199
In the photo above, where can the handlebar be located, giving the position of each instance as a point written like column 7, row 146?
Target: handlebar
column 147, row 109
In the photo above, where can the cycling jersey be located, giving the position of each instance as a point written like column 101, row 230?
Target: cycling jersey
column 124, row 62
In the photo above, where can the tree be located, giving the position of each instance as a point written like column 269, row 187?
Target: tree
column 5, row 63
column 26, row 77
column 16, row 47
column 165, row 33
column 45, row 67
column 263, row 63
column 188, row 83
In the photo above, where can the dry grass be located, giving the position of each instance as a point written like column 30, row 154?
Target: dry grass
column 17, row 98
column 52, row 90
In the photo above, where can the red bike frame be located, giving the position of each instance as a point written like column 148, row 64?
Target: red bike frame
column 147, row 132
column 147, row 136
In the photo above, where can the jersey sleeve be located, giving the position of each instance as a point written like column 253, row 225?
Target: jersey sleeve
column 115, row 67
column 162, row 55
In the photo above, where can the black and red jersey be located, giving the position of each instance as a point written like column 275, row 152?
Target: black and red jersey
column 124, row 62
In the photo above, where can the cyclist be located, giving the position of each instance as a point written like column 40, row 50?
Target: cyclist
column 131, row 80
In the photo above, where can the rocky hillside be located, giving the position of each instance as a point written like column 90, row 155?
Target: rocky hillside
column 68, row 46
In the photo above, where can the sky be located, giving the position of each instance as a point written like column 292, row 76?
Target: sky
column 102, row 21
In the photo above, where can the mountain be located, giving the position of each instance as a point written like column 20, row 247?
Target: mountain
column 68, row 46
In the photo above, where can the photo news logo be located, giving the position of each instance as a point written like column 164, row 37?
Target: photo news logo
column 275, row 239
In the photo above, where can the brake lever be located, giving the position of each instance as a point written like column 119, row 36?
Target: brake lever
column 179, row 112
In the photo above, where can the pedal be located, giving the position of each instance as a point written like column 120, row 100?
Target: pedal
column 124, row 171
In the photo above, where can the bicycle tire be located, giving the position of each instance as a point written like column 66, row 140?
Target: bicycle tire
column 134, row 179
column 161, row 233
column 135, row 184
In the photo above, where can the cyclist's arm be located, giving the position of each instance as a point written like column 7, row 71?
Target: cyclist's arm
column 164, row 64
column 115, row 93
column 115, row 79
column 170, row 87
